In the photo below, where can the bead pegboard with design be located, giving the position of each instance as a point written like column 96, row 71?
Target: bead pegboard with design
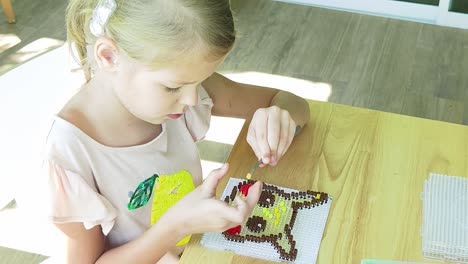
column 286, row 225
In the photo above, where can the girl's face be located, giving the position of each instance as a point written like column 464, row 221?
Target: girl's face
column 159, row 95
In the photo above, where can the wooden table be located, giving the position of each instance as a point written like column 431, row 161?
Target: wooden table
column 373, row 164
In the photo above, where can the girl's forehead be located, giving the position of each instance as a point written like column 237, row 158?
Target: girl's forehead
column 187, row 70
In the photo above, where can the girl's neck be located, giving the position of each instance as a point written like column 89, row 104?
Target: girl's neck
column 99, row 113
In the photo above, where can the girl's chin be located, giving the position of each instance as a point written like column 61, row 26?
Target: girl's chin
column 156, row 121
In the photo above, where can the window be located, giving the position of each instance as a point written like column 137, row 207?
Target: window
column 459, row 6
column 426, row 2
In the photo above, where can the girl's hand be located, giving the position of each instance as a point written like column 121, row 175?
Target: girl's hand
column 200, row 211
column 270, row 134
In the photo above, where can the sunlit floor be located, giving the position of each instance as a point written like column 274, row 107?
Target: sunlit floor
column 32, row 92
column 26, row 53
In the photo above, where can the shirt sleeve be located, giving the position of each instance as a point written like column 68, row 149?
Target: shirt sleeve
column 197, row 118
column 73, row 199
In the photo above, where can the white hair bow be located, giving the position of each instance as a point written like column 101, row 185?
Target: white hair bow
column 101, row 15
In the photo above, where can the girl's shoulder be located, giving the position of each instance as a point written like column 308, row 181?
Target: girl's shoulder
column 64, row 138
column 66, row 147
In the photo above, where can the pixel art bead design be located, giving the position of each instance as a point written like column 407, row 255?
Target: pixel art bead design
column 286, row 224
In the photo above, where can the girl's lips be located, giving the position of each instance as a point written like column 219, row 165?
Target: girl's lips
column 174, row 116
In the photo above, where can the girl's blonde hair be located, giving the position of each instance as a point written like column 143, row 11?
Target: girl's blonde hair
column 155, row 32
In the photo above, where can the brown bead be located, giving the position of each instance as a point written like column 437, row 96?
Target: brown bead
column 233, row 193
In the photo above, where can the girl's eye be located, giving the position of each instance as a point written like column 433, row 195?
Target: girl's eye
column 173, row 90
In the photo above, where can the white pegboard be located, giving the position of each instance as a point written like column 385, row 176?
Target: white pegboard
column 445, row 218
column 307, row 232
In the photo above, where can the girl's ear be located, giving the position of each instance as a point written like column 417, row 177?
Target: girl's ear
column 106, row 54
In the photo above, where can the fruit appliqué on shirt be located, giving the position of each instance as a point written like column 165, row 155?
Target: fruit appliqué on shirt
column 167, row 189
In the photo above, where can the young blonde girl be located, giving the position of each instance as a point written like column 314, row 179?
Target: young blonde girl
column 150, row 90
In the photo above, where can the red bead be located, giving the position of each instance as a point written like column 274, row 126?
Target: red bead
column 234, row 231
column 245, row 189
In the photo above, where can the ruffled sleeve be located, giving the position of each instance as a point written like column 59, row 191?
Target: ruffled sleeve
column 197, row 118
column 74, row 198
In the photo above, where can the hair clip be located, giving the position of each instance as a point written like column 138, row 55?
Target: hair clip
column 101, row 15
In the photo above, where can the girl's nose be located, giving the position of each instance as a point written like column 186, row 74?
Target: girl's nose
column 189, row 96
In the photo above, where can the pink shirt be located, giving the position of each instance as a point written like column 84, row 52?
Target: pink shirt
column 92, row 183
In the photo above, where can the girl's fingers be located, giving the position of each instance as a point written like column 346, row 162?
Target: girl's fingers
column 244, row 206
column 262, row 136
column 234, row 214
column 254, row 194
column 288, row 134
column 211, row 182
column 292, row 132
column 284, row 136
column 251, row 139
column 274, row 125
column 270, row 134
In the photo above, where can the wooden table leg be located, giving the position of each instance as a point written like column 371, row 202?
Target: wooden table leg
column 8, row 9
